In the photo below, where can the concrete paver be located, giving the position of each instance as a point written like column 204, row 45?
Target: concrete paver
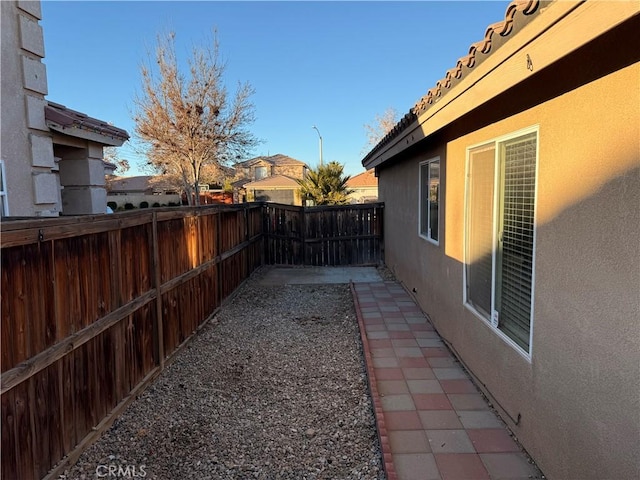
column 433, row 422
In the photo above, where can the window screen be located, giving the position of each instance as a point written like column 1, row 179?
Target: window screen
column 515, row 259
column 480, row 227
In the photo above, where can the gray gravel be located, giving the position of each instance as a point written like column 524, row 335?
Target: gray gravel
column 273, row 388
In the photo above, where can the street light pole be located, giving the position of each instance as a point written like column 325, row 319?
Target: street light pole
column 320, row 137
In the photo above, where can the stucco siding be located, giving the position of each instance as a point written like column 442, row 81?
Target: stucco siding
column 579, row 388
column 15, row 135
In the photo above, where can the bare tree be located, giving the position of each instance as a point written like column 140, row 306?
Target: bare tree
column 112, row 155
column 187, row 120
column 381, row 125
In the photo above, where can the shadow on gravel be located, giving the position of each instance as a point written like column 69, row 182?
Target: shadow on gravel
column 274, row 387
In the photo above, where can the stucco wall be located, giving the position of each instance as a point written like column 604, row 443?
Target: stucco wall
column 294, row 171
column 578, row 396
column 27, row 151
column 365, row 194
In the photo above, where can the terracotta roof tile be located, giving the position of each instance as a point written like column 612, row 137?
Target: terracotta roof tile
column 364, row 179
column 477, row 53
column 139, row 183
column 65, row 117
column 274, row 181
column 278, row 159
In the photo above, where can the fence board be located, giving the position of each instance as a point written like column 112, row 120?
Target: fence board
column 68, row 372
column 8, row 444
column 41, row 423
column 23, row 433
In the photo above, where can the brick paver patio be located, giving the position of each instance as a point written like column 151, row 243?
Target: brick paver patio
column 433, row 423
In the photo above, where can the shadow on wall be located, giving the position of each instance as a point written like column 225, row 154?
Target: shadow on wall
column 586, row 341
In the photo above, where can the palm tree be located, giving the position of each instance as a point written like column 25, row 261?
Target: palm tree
column 326, row 185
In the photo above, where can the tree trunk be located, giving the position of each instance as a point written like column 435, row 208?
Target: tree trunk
column 197, row 198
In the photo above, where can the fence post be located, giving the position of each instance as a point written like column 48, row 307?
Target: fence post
column 245, row 254
column 219, row 255
column 303, row 237
column 266, row 233
column 158, row 332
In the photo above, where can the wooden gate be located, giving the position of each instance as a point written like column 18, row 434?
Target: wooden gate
column 324, row 236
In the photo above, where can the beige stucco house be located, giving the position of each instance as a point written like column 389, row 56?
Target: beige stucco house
column 364, row 187
column 51, row 159
column 270, row 179
column 519, row 176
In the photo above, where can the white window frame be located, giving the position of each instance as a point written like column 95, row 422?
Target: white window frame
column 527, row 355
column 426, row 233
column 3, row 190
column 262, row 169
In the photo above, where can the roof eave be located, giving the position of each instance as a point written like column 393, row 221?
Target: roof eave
column 78, row 132
column 538, row 44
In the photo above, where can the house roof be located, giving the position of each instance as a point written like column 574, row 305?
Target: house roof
column 364, row 179
column 517, row 14
column 131, row 184
column 139, row 183
column 78, row 124
column 274, row 181
column 278, row 159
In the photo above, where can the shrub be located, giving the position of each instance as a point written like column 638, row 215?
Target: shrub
column 112, row 205
column 144, row 204
column 129, row 206
column 155, row 204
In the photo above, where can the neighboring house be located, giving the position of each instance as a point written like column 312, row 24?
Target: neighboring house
column 270, row 178
column 142, row 188
column 275, row 188
column 262, row 167
column 51, row 159
column 519, row 176
column 139, row 185
column 364, row 186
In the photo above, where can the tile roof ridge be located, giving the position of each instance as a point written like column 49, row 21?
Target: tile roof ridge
column 502, row 28
column 484, row 46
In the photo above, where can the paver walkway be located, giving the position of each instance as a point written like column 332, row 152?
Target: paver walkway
column 433, row 422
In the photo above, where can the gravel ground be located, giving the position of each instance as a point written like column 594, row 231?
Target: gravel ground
column 273, row 388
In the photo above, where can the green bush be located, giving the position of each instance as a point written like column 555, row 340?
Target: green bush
column 112, row 205
column 129, row 206
column 144, row 204
column 155, row 204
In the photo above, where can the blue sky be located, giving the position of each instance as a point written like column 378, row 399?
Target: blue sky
column 330, row 64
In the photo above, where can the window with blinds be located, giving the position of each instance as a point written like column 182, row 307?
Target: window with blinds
column 500, row 234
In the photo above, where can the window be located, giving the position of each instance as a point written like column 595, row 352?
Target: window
column 429, row 199
column 261, row 172
column 499, row 241
column 4, row 206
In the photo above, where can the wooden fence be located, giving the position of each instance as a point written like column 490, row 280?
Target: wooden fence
column 92, row 307
column 331, row 236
